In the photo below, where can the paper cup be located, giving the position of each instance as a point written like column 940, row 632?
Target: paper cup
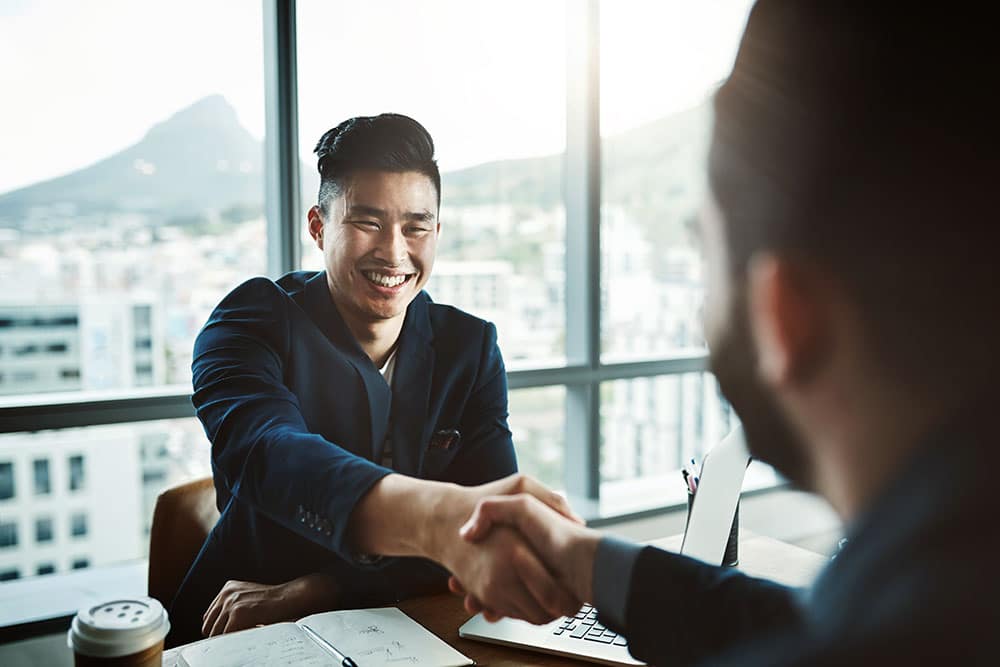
column 123, row 633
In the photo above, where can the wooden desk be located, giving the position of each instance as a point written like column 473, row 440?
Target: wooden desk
column 443, row 614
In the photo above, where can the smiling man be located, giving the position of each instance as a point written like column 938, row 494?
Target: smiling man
column 351, row 418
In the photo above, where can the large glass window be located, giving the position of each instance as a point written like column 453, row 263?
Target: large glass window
column 123, row 223
column 496, row 107
column 660, row 63
column 131, row 189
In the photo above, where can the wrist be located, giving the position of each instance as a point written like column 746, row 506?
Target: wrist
column 583, row 553
column 310, row 594
column 445, row 509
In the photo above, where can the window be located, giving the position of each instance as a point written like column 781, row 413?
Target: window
column 654, row 139
column 43, row 484
column 159, row 210
column 45, row 568
column 77, row 478
column 6, row 480
column 649, row 427
column 10, row 574
column 80, row 563
column 78, row 525
column 43, row 530
column 497, row 115
column 8, row 534
column 567, row 223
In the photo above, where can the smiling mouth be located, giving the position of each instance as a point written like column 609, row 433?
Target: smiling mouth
column 386, row 280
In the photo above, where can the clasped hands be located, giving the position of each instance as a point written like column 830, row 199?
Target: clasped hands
column 514, row 549
column 533, row 557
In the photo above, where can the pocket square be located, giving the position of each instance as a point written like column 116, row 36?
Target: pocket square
column 445, row 438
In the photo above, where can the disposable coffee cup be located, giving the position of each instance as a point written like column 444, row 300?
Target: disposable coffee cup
column 122, row 633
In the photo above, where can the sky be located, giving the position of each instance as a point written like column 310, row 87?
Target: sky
column 84, row 80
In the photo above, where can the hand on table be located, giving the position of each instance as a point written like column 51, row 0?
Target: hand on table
column 565, row 548
column 246, row 604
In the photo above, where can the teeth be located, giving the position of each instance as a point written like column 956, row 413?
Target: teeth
column 384, row 280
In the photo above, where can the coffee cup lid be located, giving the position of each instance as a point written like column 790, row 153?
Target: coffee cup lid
column 119, row 627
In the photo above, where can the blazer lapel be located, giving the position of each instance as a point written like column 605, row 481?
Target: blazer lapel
column 411, row 384
column 324, row 313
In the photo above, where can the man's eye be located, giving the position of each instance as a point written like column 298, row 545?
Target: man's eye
column 418, row 230
column 367, row 224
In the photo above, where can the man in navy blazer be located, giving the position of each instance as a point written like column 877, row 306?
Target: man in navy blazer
column 853, row 320
column 351, row 418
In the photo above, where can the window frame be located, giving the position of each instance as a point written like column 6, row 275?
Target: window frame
column 583, row 372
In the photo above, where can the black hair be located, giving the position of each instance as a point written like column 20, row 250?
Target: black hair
column 860, row 136
column 387, row 142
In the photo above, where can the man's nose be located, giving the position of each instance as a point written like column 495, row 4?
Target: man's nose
column 392, row 246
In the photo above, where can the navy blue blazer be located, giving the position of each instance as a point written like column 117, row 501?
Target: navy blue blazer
column 297, row 414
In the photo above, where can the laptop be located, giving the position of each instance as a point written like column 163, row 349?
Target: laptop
column 582, row 636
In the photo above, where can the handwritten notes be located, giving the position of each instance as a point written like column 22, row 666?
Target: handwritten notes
column 384, row 637
column 280, row 644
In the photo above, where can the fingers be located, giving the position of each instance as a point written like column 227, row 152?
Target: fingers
column 554, row 500
column 544, row 589
column 215, row 609
column 455, row 586
column 522, row 512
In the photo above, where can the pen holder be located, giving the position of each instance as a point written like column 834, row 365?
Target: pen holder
column 731, row 557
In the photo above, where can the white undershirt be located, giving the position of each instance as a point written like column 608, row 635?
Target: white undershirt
column 387, row 369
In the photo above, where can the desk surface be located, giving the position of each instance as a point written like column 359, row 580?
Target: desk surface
column 443, row 614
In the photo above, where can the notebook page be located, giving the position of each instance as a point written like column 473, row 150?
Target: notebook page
column 279, row 644
column 385, row 636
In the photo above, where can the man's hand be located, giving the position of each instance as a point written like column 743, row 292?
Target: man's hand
column 402, row 516
column 501, row 567
column 245, row 604
column 566, row 548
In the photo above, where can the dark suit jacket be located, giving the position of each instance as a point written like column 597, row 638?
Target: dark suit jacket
column 916, row 584
column 297, row 413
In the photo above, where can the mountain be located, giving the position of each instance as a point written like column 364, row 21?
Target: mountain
column 640, row 167
column 200, row 158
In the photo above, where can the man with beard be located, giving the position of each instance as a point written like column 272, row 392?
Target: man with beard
column 852, row 317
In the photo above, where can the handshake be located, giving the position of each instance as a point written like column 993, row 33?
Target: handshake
column 514, row 548
column 517, row 550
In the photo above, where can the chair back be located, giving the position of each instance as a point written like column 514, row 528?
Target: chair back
column 182, row 519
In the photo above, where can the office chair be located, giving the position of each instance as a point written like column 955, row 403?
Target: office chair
column 182, row 519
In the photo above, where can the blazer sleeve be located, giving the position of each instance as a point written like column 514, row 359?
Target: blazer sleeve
column 487, row 451
column 679, row 610
column 261, row 445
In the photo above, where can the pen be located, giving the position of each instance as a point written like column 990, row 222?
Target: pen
column 344, row 660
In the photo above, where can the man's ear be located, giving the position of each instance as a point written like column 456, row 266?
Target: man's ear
column 788, row 313
column 315, row 217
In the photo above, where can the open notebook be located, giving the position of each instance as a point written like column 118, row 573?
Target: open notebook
column 372, row 637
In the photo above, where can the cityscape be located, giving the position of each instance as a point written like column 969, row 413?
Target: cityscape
column 109, row 272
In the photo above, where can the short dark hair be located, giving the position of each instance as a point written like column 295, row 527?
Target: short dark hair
column 858, row 135
column 387, row 142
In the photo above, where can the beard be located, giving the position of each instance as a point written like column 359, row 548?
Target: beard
column 770, row 436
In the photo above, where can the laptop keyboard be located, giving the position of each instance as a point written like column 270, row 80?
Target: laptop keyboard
column 586, row 626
